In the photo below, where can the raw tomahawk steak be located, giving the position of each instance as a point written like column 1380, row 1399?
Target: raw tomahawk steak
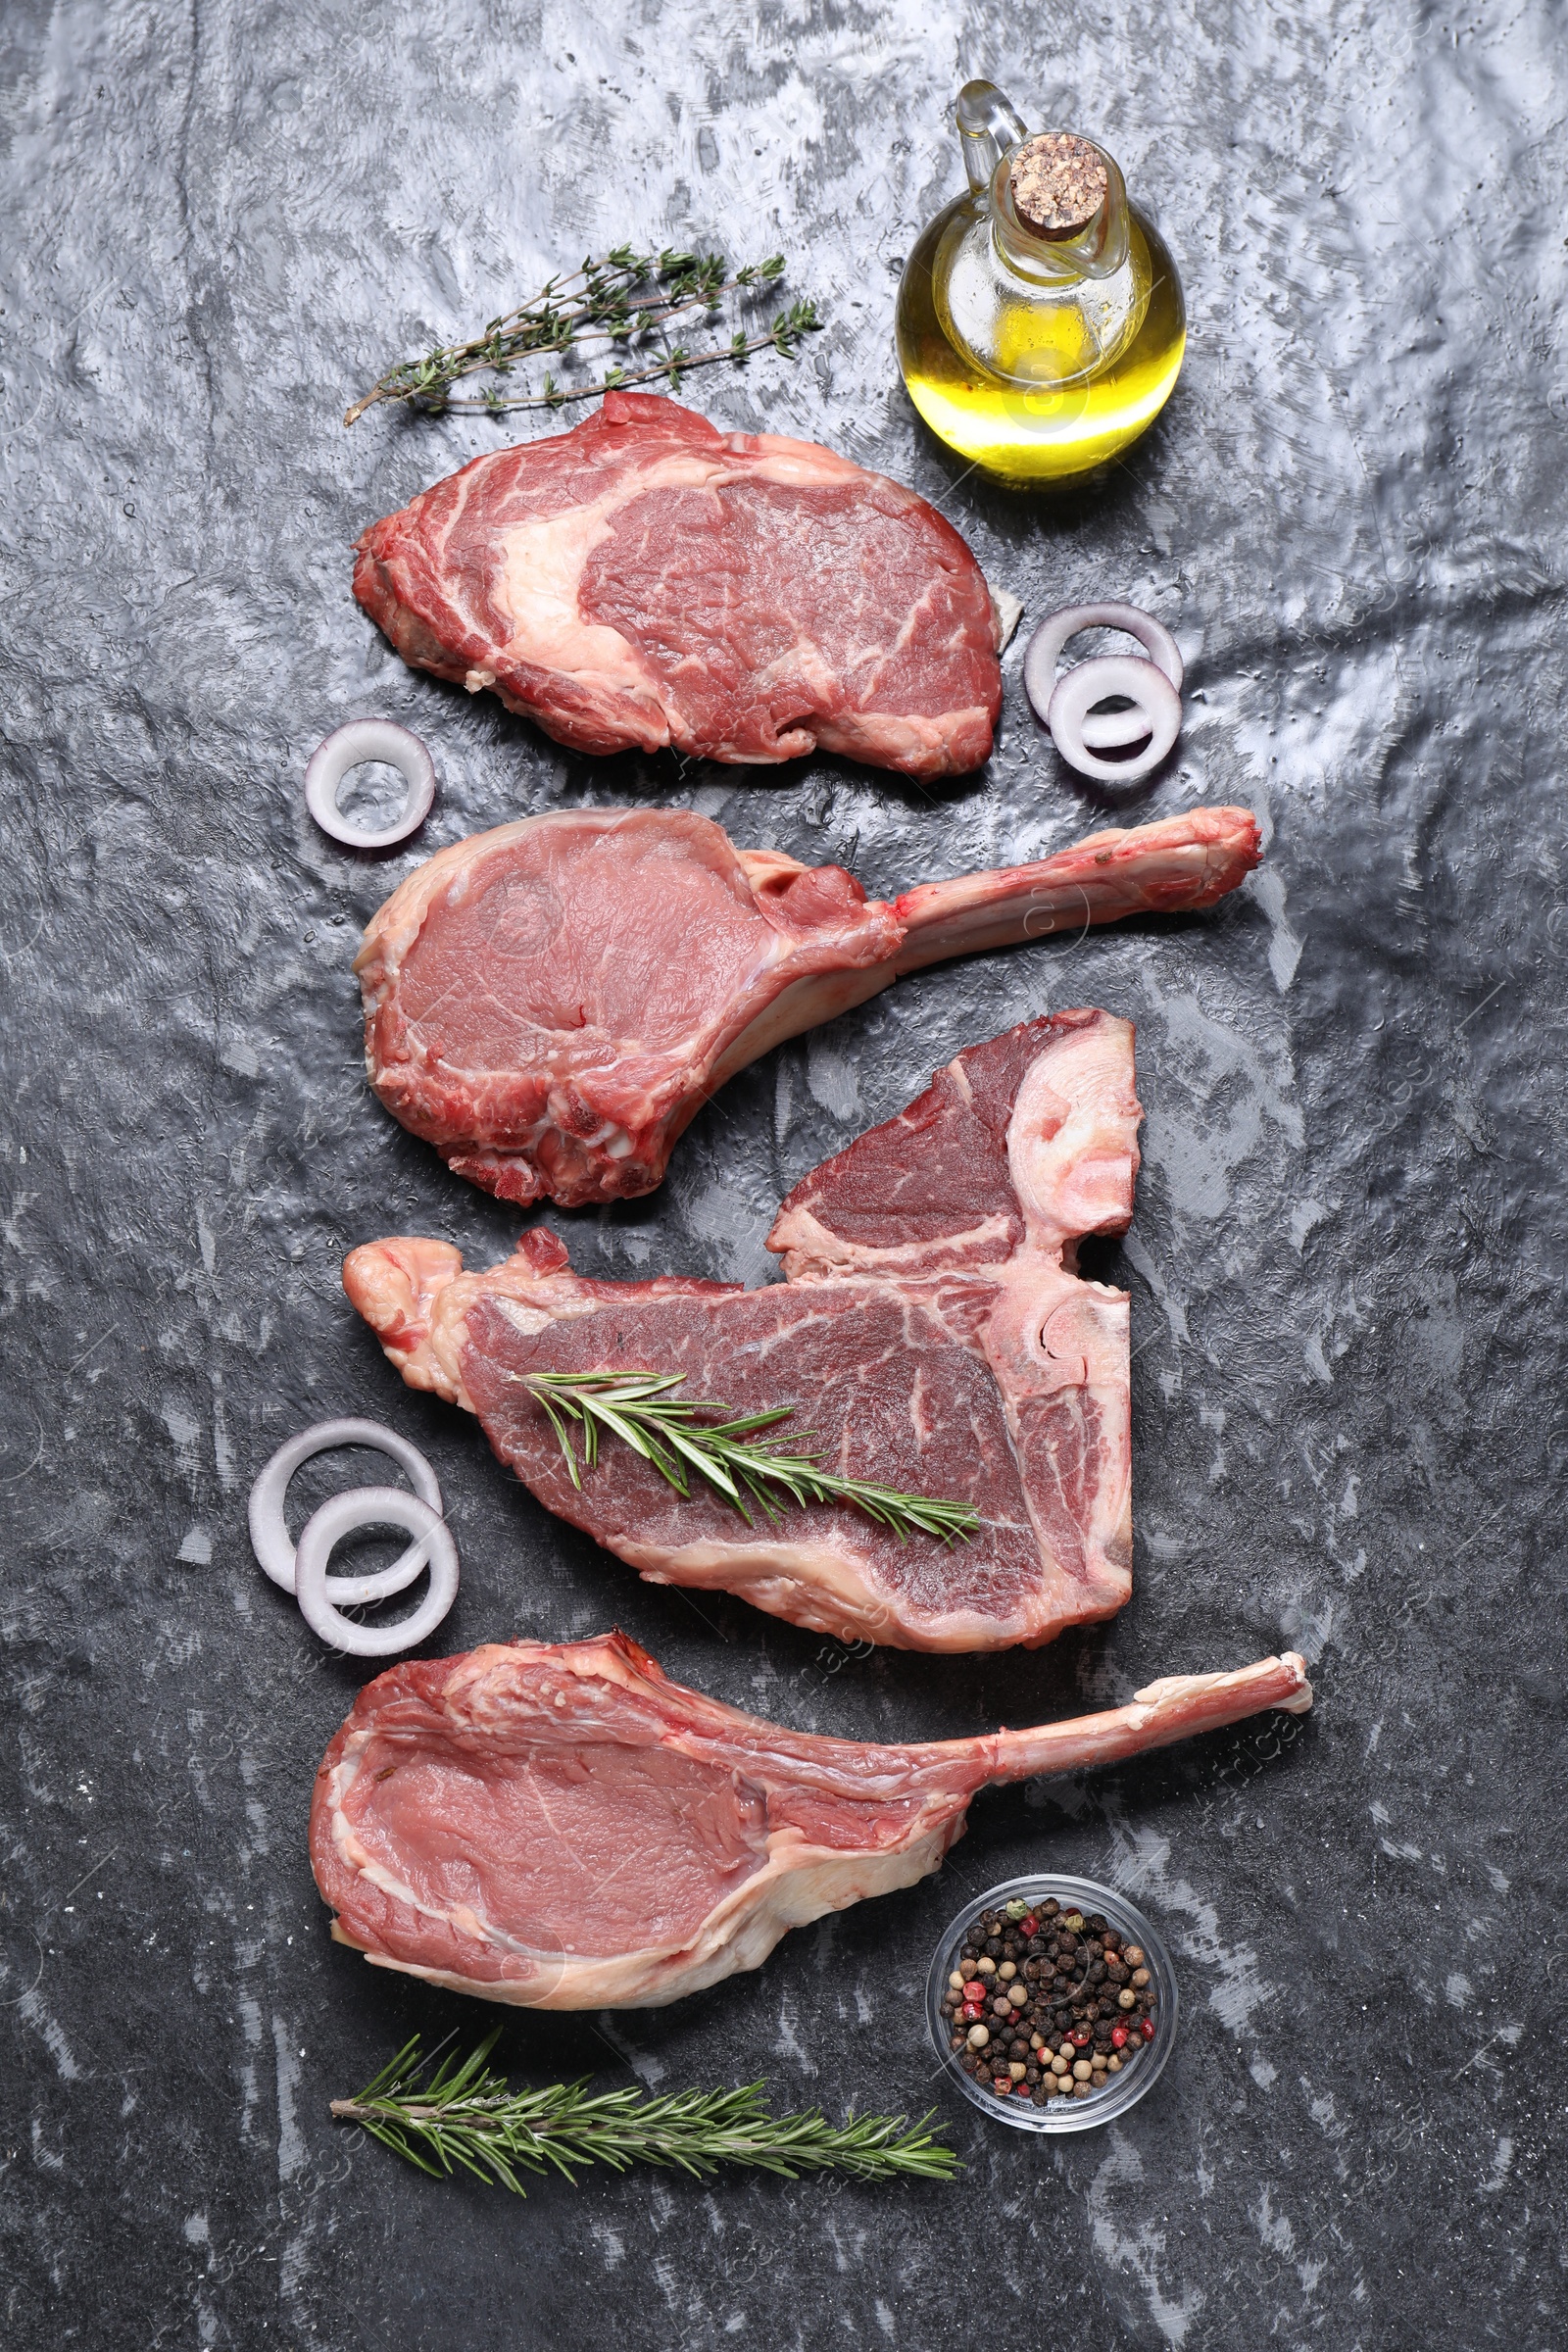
column 561, row 1828
column 931, row 1332
column 646, row 580
column 551, row 1002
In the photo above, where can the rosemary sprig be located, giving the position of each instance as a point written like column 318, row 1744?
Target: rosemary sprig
column 623, row 299
column 451, row 2115
column 663, row 1430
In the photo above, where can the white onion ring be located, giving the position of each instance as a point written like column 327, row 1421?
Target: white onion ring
column 1158, row 711
column 269, row 1530
column 320, row 1595
column 1113, row 729
column 345, row 747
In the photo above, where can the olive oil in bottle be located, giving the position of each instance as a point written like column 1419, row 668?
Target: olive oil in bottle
column 1040, row 319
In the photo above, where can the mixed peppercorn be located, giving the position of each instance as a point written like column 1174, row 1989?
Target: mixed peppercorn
column 1045, row 2003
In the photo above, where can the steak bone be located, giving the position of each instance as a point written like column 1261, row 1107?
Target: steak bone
column 550, row 1004
column 932, row 1334
column 560, row 1827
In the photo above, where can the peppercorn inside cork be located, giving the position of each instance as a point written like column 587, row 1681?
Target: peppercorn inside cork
column 1045, row 2003
column 1058, row 184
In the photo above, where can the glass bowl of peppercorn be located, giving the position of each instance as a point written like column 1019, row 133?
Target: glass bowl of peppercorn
column 1051, row 2003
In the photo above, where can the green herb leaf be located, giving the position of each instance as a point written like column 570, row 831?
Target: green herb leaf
column 450, row 2114
column 625, row 299
column 664, row 1429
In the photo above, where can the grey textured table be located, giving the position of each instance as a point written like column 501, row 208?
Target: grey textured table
column 1346, row 1269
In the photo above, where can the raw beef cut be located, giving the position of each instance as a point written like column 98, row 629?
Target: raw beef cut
column 931, row 1332
column 549, row 1003
column 646, row 580
column 559, row 1827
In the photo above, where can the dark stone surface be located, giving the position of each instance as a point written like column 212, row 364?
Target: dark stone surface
column 1347, row 1267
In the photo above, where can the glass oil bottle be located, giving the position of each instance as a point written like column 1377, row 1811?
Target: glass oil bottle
column 1040, row 319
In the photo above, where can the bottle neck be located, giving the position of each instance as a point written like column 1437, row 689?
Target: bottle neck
column 1097, row 251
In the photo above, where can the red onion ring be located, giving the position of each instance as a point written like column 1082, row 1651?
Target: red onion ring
column 1113, row 728
column 320, row 1593
column 1157, row 709
column 346, row 747
column 269, row 1538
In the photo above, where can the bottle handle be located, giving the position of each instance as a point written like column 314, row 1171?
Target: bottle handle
column 987, row 127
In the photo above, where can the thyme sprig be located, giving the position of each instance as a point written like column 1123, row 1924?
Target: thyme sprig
column 663, row 1430
column 625, row 299
column 451, row 2115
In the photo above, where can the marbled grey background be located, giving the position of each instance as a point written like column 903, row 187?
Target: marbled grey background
column 221, row 220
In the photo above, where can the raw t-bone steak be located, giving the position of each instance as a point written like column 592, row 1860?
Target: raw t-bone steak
column 561, row 1828
column 646, row 580
column 549, row 1003
column 932, row 1333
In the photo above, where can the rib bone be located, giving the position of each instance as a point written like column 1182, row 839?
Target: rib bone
column 559, row 1827
column 551, row 1002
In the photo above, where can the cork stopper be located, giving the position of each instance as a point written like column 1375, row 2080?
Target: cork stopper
column 1058, row 184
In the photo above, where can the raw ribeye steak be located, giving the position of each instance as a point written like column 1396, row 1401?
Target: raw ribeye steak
column 549, row 1003
column 931, row 1332
column 559, row 1827
column 646, row 580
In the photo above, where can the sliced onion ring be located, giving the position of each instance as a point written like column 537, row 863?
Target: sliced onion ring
column 1158, row 711
column 269, row 1530
column 1111, row 729
column 346, row 747
column 320, row 1594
